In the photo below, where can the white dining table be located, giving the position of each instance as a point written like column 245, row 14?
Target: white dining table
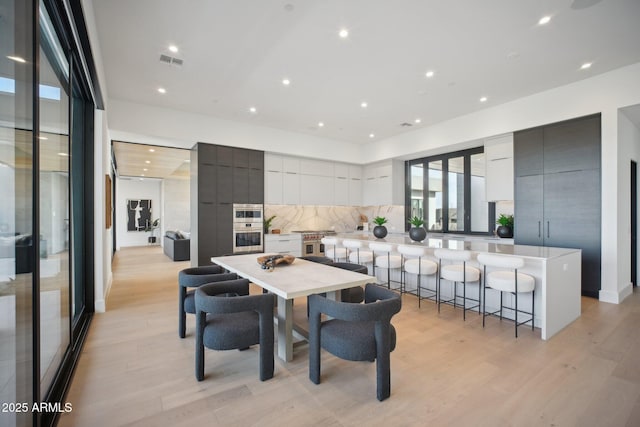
column 299, row 279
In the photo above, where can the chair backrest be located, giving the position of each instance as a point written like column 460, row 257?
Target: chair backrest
column 381, row 304
column 414, row 251
column 330, row 241
column 351, row 267
column 452, row 255
column 501, row 261
column 352, row 244
column 231, row 296
column 381, row 247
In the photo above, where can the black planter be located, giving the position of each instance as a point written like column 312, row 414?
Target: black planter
column 380, row 231
column 504, row 232
column 417, row 234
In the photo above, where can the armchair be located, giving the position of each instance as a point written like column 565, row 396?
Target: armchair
column 359, row 332
column 227, row 318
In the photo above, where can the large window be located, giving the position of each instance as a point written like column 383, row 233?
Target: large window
column 448, row 192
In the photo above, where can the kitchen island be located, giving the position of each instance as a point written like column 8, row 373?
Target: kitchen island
column 557, row 272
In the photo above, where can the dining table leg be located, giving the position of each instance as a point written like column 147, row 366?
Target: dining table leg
column 285, row 329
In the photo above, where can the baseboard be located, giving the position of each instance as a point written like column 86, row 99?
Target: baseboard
column 616, row 297
column 100, row 305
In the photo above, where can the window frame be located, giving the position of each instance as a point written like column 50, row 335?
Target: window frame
column 424, row 161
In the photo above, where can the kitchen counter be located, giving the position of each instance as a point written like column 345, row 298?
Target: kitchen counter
column 557, row 272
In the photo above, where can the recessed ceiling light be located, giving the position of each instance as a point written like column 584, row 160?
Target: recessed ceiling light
column 286, row 82
column 544, row 20
column 147, row 162
column 430, row 74
column 320, row 124
column 484, row 99
column 173, row 48
column 253, row 110
column 363, row 104
column 586, row 66
column 44, row 138
column 17, row 59
column 145, row 169
column 417, row 120
column 151, row 150
column 371, row 135
column 344, row 33
column 162, row 90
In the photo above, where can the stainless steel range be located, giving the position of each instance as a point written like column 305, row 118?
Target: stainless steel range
column 311, row 241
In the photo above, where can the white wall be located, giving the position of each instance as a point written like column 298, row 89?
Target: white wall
column 135, row 189
column 176, row 209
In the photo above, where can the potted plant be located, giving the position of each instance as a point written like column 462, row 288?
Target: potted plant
column 417, row 232
column 505, row 229
column 267, row 224
column 380, row 231
column 151, row 228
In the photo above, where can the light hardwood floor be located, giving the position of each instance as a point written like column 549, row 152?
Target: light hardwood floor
column 134, row 370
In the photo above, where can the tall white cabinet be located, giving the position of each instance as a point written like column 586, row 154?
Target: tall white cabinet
column 498, row 154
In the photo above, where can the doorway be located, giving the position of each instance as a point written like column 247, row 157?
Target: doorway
column 634, row 222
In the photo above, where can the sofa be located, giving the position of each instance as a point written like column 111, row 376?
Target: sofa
column 177, row 246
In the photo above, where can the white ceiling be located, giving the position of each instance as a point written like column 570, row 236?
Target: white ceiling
column 236, row 53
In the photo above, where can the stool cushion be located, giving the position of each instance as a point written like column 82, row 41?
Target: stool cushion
column 505, row 281
column 385, row 261
column 339, row 253
column 362, row 256
column 455, row 273
column 426, row 267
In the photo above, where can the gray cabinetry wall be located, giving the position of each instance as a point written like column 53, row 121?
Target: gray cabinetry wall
column 557, row 199
column 220, row 177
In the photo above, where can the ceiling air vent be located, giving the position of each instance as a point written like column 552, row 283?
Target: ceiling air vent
column 170, row 60
column 405, row 124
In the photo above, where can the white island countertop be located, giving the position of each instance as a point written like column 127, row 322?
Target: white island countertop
column 472, row 243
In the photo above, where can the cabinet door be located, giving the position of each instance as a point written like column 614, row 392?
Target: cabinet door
column 256, row 186
column 224, row 229
column 572, row 219
column 341, row 191
column 273, row 162
column 256, row 159
column 527, row 152
column 528, row 210
column 291, row 189
column 241, row 158
column 384, row 189
column 273, row 187
column 207, row 177
column 499, row 179
column 224, row 155
column 355, row 192
column 572, row 145
column 207, row 232
column 240, row 185
column 224, row 184
column 369, row 191
column 316, row 190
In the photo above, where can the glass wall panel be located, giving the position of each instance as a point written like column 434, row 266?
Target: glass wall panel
column 435, row 220
column 417, row 193
column 16, row 209
column 479, row 204
column 55, row 325
column 456, row 193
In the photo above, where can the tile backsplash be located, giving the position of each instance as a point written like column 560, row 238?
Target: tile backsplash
column 339, row 218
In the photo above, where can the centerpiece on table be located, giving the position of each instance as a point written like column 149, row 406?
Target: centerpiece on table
column 380, row 231
column 417, row 232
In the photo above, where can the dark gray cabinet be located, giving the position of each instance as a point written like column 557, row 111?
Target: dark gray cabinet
column 221, row 176
column 557, row 196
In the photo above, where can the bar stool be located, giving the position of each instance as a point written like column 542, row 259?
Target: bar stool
column 335, row 252
column 507, row 281
column 356, row 254
column 385, row 259
column 457, row 273
column 420, row 267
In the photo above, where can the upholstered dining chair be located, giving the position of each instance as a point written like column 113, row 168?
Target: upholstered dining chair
column 358, row 332
column 192, row 278
column 228, row 318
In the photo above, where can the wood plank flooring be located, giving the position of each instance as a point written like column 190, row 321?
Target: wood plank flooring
column 135, row 371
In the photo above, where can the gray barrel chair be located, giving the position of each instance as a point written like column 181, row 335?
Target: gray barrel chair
column 359, row 332
column 192, row 278
column 228, row 318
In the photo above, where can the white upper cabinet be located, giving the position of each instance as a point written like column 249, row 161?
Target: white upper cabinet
column 498, row 154
column 316, row 167
column 383, row 183
column 272, row 162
